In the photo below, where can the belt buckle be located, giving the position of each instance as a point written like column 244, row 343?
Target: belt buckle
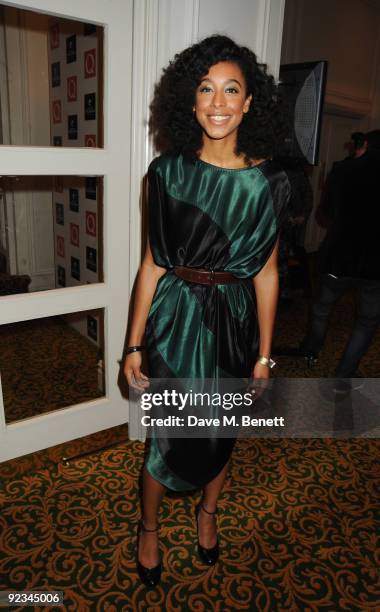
column 212, row 277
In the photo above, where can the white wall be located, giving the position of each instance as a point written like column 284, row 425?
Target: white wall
column 256, row 24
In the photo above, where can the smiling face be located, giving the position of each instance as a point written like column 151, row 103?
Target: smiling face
column 221, row 101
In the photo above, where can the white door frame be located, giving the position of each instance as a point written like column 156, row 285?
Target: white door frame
column 112, row 162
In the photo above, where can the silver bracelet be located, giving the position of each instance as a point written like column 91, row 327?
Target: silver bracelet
column 266, row 361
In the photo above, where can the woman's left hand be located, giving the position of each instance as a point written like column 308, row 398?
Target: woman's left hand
column 260, row 371
column 259, row 377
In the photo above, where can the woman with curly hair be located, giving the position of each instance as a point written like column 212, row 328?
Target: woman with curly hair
column 207, row 288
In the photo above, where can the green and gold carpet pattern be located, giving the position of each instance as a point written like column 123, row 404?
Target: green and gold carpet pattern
column 299, row 524
column 299, row 520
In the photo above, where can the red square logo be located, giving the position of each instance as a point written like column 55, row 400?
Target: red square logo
column 90, row 223
column 57, row 111
column 54, row 36
column 74, row 234
column 90, row 140
column 60, row 246
column 72, row 89
column 90, row 64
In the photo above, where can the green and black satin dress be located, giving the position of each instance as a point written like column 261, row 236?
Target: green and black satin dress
column 204, row 216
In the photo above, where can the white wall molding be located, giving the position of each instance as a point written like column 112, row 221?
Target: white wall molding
column 195, row 21
column 262, row 29
column 145, row 62
column 178, row 28
column 191, row 21
column 273, row 14
column 144, row 74
column 258, row 25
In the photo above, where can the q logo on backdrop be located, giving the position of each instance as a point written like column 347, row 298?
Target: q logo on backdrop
column 90, row 64
column 90, row 223
column 72, row 89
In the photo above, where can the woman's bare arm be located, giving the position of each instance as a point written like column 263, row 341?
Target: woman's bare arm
column 148, row 276
column 266, row 285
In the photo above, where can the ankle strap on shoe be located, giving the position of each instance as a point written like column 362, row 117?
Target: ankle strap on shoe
column 145, row 529
column 207, row 512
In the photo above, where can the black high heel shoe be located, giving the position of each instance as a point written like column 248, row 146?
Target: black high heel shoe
column 150, row 576
column 209, row 556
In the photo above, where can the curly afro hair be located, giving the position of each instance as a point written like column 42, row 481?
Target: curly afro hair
column 172, row 123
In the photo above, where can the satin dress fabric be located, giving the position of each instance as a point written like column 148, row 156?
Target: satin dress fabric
column 204, row 216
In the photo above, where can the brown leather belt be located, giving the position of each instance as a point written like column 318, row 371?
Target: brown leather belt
column 205, row 277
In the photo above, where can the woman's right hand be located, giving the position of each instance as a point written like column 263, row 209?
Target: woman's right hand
column 132, row 370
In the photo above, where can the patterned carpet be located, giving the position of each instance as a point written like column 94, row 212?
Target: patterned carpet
column 299, row 520
column 299, row 524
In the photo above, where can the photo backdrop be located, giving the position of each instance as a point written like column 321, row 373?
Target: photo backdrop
column 75, row 53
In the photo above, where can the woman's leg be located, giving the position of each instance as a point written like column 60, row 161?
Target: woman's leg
column 206, row 523
column 153, row 492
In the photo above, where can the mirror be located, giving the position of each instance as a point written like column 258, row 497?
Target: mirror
column 51, row 80
column 50, row 363
column 51, row 232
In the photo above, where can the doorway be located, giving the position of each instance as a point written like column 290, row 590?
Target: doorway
column 75, row 234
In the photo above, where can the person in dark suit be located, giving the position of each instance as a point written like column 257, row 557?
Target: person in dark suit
column 349, row 255
column 293, row 232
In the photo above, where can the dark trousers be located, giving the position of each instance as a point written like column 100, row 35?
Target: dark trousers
column 367, row 320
